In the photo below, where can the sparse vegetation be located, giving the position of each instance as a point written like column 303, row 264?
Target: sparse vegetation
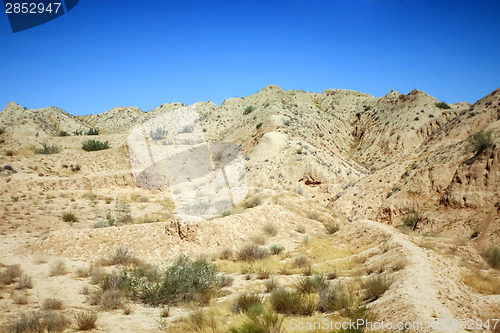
column 95, row 145
column 2, row 131
column 310, row 284
column 484, row 282
column 63, row 133
column 367, row 107
column 249, row 109
column 259, row 125
column 69, row 217
column 252, row 202
column 442, row 105
column 47, row 150
column 480, row 141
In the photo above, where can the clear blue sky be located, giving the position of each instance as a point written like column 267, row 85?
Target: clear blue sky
column 145, row 53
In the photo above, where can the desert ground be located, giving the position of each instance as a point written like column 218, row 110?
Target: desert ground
column 383, row 209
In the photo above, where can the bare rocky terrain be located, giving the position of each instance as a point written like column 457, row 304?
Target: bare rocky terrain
column 384, row 205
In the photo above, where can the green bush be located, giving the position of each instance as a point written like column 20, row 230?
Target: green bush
column 480, row 141
column 245, row 301
column 411, row 219
column 182, row 281
column 292, row 303
column 46, row 150
column 248, row 109
column 69, row 217
column 492, row 256
column 63, row 133
column 259, row 125
column 442, row 105
column 310, row 284
column 367, row 107
column 92, row 131
column 94, row 145
column 276, row 249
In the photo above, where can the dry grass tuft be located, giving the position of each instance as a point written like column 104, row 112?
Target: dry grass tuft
column 85, row 320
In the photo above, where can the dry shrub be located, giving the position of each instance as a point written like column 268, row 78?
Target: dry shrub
column 331, row 227
column 301, row 229
column 338, row 297
column 263, row 274
column 258, row 239
column 52, row 304
column 111, row 299
column 271, row 285
column 85, row 320
column 226, row 254
column 10, row 274
column 252, row 202
column 270, row 229
column 20, row 299
column 121, row 256
column 301, row 262
column 40, row 321
column 313, row 215
column 251, row 252
column 375, row 286
column 58, row 268
column 24, row 282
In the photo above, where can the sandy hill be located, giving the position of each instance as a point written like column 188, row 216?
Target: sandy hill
column 314, row 163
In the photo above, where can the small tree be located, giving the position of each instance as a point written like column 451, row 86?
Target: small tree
column 442, row 105
column 248, row 109
column 480, row 141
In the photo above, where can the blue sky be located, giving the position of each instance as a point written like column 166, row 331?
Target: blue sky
column 111, row 53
